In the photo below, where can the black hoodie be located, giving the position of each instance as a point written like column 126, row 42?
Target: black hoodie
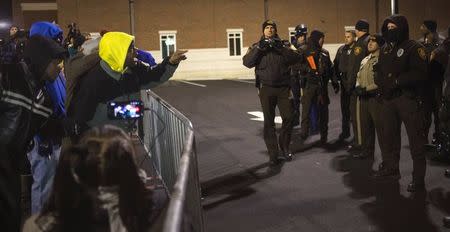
column 402, row 66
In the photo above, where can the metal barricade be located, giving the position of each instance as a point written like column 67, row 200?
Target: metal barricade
column 169, row 137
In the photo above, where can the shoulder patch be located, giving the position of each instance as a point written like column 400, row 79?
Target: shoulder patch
column 422, row 53
column 357, row 51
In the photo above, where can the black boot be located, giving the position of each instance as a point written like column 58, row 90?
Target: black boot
column 447, row 173
column 416, row 186
column 446, row 220
column 286, row 155
column 384, row 173
column 344, row 136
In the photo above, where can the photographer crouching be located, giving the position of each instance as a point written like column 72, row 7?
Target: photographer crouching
column 271, row 58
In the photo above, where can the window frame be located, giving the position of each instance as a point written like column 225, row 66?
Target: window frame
column 234, row 31
column 167, row 34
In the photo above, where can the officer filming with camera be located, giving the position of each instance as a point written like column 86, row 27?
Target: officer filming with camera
column 271, row 58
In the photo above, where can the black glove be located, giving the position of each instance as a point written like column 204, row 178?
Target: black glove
column 264, row 44
column 360, row 91
column 335, row 85
column 277, row 43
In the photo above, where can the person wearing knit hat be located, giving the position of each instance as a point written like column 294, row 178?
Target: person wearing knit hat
column 430, row 25
column 370, row 106
column 271, row 58
column 271, row 23
column 362, row 25
column 359, row 52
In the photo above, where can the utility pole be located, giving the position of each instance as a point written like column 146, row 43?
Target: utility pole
column 131, row 13
column 394, row 7
column 266, row 9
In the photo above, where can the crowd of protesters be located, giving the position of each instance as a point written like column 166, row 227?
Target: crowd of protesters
column 60, row 161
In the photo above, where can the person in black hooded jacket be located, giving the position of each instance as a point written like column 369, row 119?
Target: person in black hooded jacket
column 318, row 70
column 401, row 75
column 26, row 108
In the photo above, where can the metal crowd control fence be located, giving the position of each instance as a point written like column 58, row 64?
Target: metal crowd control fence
column 169, row 137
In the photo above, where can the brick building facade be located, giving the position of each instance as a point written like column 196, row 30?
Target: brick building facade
column 218, row 32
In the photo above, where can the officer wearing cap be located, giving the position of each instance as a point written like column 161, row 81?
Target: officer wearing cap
column 358, row 53
column 341, row 65
column 370, row 102
column 400, row 75
column 271, row 58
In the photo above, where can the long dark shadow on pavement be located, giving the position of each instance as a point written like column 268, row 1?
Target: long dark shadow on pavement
column 235, row 186
column 390, row 211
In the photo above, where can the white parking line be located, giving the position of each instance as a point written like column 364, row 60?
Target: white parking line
column 243, row 81
column 192, row 83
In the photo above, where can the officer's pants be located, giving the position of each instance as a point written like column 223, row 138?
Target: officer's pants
column 295, row 87
column 345, row 111
column 311, row 95
column 409, row 111
column 370, row 123
column 354, row 119
column 435, row 104
column 270, row 98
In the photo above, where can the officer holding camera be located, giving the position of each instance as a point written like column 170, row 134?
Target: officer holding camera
column 271, row 58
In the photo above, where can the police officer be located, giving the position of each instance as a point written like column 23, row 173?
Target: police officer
column 271, row 58
column 358, row 53
column 367, row 92
column 301, row 32
column 401, row 74
column 318, row 70
column 341, row 65
column 431, row 41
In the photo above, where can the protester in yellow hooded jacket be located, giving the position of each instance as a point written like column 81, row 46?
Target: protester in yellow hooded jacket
column 116, row 75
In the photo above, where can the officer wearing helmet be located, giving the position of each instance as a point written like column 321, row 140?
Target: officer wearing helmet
column 301, row 31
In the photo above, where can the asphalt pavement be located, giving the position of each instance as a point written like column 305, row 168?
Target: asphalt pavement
column 322, row 189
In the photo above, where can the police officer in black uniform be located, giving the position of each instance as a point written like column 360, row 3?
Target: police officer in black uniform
column 301, row 31
column 271, row 58
column 341, row 65
column 318, row 70
column 358, row 53
column 431, row 41
column 401, row 74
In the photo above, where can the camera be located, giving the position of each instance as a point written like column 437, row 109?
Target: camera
column 124, row 110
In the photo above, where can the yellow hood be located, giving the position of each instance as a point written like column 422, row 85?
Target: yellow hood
column 113, row 49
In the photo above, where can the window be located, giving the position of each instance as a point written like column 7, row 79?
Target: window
column 235, row 41
column 291, row 34
column 168, row 42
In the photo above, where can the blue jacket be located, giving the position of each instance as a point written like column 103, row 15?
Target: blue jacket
column 56, row 89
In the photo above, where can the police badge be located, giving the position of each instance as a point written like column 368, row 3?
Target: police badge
column 422, row 53
column 400, row 52
column 357, row 51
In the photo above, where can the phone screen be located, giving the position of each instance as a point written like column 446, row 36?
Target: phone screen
column 125, row 110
